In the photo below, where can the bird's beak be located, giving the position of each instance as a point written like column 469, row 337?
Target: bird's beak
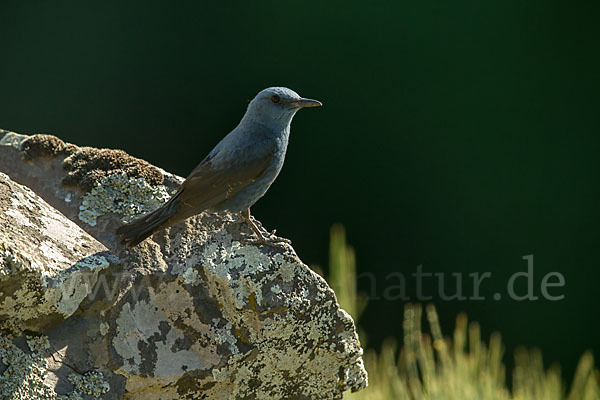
column 301, row 103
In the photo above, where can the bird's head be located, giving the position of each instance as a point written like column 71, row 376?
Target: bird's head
column 277, row 105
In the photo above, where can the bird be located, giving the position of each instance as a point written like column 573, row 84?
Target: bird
column 235, row 174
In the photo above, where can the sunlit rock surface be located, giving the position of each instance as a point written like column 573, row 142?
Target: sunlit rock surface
column 190, row 313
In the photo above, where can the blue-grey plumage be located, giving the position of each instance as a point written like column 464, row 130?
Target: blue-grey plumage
column 236, row 173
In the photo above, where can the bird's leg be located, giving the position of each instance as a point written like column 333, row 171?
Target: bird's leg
column 272, row 235
column 264, row 230
column 258, row 224
column 272, row 240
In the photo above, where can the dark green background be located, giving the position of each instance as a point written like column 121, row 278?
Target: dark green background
column 460, row 135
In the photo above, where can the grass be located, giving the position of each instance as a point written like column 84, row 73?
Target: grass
column 430, row 366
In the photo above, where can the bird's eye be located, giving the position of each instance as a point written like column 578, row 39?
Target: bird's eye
column 275, row 98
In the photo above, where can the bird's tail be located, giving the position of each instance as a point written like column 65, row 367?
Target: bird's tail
column 133, row 233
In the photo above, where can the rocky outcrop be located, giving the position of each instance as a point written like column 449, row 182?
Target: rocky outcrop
column 192, row 312
column 48, row 265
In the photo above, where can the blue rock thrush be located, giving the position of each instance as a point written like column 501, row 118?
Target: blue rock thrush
column 236, row 173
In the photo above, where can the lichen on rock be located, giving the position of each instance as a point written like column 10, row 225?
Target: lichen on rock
column 26, row 373
column 190, row 313
column 118, row 193
column 244, row 322
column 48, row 265
column 9, row 261
column 91, row 383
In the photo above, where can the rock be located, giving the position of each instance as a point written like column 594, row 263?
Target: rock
column 190, row 313
column 48, row 265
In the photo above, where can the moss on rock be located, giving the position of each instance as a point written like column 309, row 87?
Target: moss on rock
column 88, row 166
column 45, row 146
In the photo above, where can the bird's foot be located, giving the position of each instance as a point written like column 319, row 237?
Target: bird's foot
column 271, row 240
column 260, row 239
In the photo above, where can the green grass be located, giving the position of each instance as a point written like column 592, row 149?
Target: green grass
column 463, row 367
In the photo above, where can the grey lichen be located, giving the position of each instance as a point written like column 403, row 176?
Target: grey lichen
column 26, row 373
column 276, row 320
column 284, row 342
column 38, row 344
column 9, row 261
column 123, row 195
column 91, row 383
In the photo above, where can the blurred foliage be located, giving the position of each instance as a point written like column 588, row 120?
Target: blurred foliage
column 464, row 367
column 342, row 273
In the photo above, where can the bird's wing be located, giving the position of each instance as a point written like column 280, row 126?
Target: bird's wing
column 211, row 183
